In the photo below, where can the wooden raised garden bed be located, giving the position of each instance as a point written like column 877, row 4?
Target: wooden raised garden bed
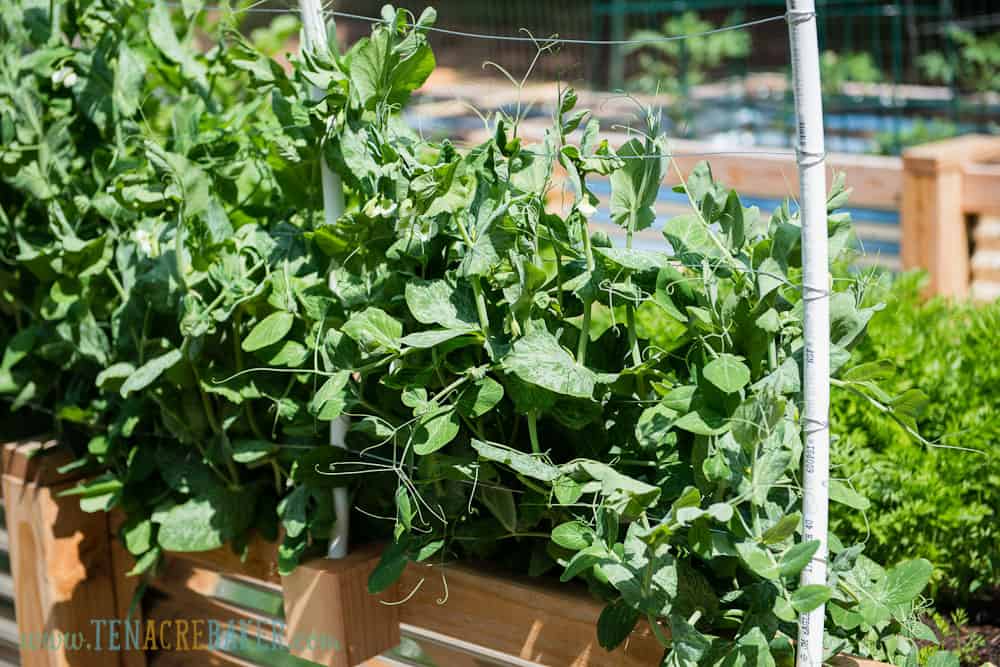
column 68, row 571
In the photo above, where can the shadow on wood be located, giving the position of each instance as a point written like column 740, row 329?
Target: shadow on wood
column 61, row 562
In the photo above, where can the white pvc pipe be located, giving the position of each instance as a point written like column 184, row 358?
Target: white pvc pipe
column 340, row 539
column 314, row 31
column 816, row 295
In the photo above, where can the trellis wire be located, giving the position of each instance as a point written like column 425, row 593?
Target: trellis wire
column 314, row 31
column 811, row 158
column 528, row 38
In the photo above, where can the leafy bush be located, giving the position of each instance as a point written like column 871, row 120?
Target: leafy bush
column 976, row 67
column 921, row 131
column 836, row 69
column 669, row 68
column 517, row 387
column 940, row 504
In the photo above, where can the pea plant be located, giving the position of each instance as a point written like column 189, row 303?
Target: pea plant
column 518, row 388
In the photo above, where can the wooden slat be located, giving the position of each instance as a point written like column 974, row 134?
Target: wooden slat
column 446, row 651
column 850, row 661
column 544, row 625
column 60, row 558
column 954, row 153
column 125, row 587
column 186, row 588
column 199, row 658
column 37, row 461
column 8, row 631
column 260, row 563
column 329, row 599
column 981, row 189
column 486, row 620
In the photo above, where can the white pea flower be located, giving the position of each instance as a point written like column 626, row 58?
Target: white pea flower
column 64, row 76
column 144, row 239
column 586, row 209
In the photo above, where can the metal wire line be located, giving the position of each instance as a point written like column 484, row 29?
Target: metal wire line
column 546, row 41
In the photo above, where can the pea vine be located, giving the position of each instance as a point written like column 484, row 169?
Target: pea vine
column 518, row 388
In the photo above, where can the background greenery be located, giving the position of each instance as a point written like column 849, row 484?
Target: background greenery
column 938, row 503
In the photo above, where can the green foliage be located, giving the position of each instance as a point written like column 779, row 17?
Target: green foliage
column 672, row 67
column 921, row 132
column 976, row 66
column 517, row 390
column 937, row 503
column 953, row 632
column 836, row 69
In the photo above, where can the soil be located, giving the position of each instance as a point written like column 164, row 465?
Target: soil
column 977, row 654
column 977, row 641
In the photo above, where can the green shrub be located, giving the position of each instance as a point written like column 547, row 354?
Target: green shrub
column 938, row 503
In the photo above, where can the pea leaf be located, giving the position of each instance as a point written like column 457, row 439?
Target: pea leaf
column 269, row 331
column 146, row 374
column 538, row 359
column 525, row 464
column 435, row 429
column 635, row 185
column 728, row 373
column 438, row 302
column 204, row 522
column 375, row 329
column 797, row 557
column 479, row 398
column 808, row 598
column 905, row 581
column 573, row 535
column 615, row 624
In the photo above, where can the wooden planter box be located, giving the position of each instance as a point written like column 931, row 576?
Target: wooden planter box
column 69, row 570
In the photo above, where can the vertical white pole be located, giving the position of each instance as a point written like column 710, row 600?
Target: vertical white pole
column 815, row 291
column 314, row 29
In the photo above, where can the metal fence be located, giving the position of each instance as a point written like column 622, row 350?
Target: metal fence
column 750, row 101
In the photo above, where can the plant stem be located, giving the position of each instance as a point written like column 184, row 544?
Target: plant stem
column 238, row 354
column 213, row 422
column 581, row 352
column 116, row 283
column 581, row 348
column 658, row 632
column 633, row 338
column 533, row 432
column 484, row 319
column 477, row 287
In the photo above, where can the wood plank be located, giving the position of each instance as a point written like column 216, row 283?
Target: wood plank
column 956, row 152
column 200, row 658
column 443, row 650
column 259, row 564
column 125, row 587
column 329, row 599
column 489, row 619
column 935, row 232
column 182, row 597
column 981, row 189
column 60, row 558
column 542, row 624
column 37, row 461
